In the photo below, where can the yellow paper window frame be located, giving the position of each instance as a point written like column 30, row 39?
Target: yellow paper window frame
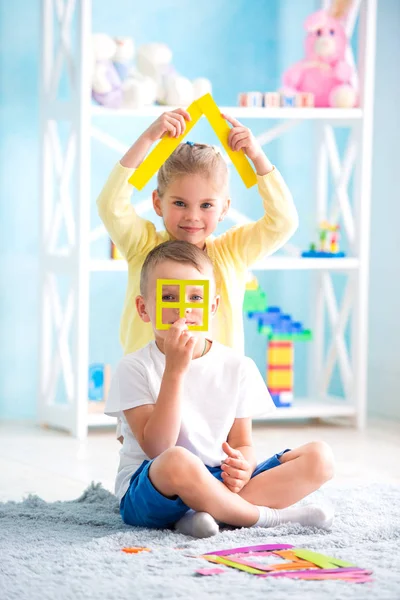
column 182, row 304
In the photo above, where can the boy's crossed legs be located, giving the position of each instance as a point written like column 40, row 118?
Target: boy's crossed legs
column 262, row 502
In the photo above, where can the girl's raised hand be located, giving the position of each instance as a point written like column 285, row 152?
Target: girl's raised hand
column 172, row 123
column 241, row 138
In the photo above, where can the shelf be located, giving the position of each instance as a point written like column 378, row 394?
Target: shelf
column 325, row 114
column 303, row 409
column 294, row 263
column 274, row 263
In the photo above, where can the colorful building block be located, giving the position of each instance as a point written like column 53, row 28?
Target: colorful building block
column 99, row 380
column 281, row 332
column 328, row 247
column 281, row 379
column 255, row 301
column 280, row 353
column 250, row 99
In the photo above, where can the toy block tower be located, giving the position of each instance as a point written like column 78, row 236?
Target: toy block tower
column 280, row 361
column 281, row 332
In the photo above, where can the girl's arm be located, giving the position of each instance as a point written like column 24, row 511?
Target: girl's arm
column 249, row 243
column 129, row 232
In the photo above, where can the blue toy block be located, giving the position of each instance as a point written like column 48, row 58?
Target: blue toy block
column 315, row 254
column 278, row 403
column 277, row 322
column 96, row 382
column 289, row 100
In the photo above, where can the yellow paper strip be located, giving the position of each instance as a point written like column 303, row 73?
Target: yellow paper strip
column 222, row 129
column 231, row 563
column 320, row 560
column 162, row 151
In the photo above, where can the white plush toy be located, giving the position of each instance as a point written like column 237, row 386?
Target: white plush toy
column 123, row 55
column 138, row 90
column 155, row 61
column 106, row 83
column 116, row 83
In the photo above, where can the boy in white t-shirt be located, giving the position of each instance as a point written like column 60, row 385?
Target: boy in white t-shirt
column 186, row 404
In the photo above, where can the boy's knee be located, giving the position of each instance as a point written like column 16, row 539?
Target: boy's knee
column 180, row 464
column 321, row 462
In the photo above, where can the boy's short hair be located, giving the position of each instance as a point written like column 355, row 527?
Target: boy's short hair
column 175, row 250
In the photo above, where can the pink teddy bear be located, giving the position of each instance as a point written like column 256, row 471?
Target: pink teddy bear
column 325, row 71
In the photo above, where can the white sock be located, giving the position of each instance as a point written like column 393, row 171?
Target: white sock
column 197, row 524
column 311, row 515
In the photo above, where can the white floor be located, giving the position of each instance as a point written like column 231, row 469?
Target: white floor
column 55, row 466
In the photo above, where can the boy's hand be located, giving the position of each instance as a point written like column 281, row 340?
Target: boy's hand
column 179, row 345
column 241, row 138
column 236, row 471
column 172, row 123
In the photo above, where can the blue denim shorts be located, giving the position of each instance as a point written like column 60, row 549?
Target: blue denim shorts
column 144, row 506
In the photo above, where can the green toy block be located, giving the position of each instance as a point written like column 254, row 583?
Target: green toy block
column 305, row 336
column 255, row 301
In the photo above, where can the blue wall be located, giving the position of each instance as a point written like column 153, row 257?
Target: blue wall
column 384, row 317
column 257, row 41
column 19, row 197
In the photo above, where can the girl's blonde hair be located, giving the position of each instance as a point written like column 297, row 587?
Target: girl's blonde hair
column 190, row 158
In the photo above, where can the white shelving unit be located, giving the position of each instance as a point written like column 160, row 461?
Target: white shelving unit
column 66, row 232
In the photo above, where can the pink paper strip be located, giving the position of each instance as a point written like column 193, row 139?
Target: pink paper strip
column 347, row 572
column 215, row 571
column 254, row 565
column 267, row 547
column 250, row 554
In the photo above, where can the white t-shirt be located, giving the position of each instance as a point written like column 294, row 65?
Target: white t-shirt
column 219, row 387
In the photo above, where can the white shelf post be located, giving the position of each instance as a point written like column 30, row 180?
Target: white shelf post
column 362, row 209
column 65, row 213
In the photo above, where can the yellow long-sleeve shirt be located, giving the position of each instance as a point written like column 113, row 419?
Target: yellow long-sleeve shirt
column 232, row 253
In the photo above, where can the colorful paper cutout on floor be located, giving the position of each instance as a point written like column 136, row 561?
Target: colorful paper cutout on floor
column 157, row 157
column 135, row 550
column 246, row 549
column 231, row 563
column 300, row 563
column 215, row 571
column 325, row 562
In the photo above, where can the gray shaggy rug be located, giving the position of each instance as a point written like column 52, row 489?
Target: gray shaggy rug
column 72, row 550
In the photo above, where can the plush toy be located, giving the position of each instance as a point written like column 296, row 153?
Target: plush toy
column 325, row 72
column 118, row 83
column 138, row 90
column 155, row 61
column 123, row 56
column 106, row 83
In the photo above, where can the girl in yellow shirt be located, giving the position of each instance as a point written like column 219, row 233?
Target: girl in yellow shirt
column 192, row 196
